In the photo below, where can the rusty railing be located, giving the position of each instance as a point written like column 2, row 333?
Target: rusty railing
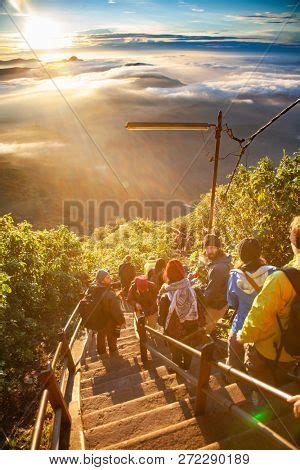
column 55, row 388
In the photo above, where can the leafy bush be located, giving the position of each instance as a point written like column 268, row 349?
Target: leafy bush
column 261, row 202
column 42, row 274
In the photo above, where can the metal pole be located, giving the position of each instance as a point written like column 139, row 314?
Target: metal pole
column 215, row 176
column 203, row 377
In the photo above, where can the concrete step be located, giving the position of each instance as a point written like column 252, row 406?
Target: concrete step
column 125, row 339
column 131, row 380
column 136, row 388
column 134, row 407
column 129, row 331
column 112, row 361
column 134, row 426
column 92, row 401
column 123, row 350
column 190, row 434
column 125, row 367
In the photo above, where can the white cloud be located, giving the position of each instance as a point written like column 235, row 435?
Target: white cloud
column 2, row 13
column 198, row 10
column 268, row 17
column 26, row 149
column 85, row 77
column 242, row 101
column 247, row 85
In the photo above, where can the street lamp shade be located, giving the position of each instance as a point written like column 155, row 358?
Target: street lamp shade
column 168, row 126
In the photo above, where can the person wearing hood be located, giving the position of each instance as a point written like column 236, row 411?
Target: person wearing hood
column 213, row 295
column 243, row 286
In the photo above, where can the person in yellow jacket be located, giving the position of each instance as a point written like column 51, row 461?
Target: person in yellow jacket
column 296, row 401
column 261, row 330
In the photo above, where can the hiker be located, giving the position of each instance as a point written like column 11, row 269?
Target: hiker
column 275, row 310
column 127, row 273
column 104, row 313
column 178, row 309
column 159, row 269
column 243, row 286
column 213, row 295
column 149, row 269
column 142, row 296
column 296, row 401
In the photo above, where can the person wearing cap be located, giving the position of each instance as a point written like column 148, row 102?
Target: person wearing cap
column 213, row 295
column 109, row 316
column 243, row 286
column 261, row 330
column 142, row 296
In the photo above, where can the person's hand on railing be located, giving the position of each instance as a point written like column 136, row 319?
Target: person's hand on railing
column 296, row 401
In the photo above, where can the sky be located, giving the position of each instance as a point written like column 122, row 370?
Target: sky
column 76, row 20
column 72, row 73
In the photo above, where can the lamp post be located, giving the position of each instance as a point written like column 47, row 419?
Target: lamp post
column 190, row 126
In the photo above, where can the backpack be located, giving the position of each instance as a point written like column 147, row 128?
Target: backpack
column 290, row 336
column 89, row 309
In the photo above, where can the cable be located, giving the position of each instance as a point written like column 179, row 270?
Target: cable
column 250, row 139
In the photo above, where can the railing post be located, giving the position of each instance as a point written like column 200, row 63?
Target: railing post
column 66, row 350
column 143, row 338
column 203, row 378
column 55, row 395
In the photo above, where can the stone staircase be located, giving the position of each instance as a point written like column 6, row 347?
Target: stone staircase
column 128, row 405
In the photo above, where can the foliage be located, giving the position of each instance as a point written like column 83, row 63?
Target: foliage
column 42, row 274
column 139, row 237
column 261, row 202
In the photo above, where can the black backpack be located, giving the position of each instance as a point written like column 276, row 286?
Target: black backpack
column 290, row 337
column 89, row 308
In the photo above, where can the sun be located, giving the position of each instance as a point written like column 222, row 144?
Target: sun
column 44, row 33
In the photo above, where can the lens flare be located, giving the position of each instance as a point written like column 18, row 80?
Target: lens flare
column 19, row 5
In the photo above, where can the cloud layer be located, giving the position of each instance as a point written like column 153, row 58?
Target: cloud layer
column 51, row 126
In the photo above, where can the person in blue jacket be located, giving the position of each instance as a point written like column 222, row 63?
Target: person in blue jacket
column 244, row 284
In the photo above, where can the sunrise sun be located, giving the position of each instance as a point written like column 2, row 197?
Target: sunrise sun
column 44, row 33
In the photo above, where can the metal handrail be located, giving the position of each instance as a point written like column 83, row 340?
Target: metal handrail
column 235, row 372
column 54, row 390
column 206, row 362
